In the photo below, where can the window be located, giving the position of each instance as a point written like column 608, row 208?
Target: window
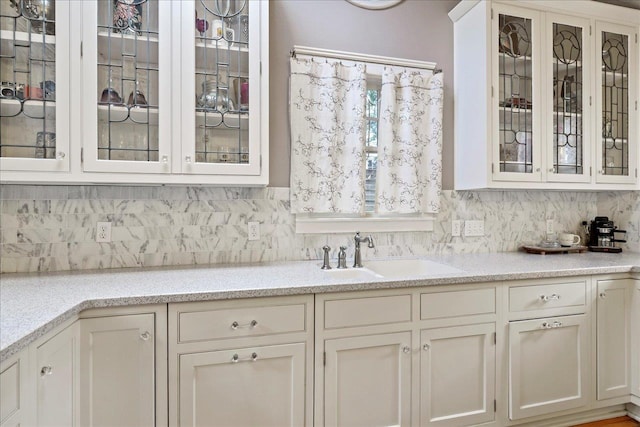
column 370, row 170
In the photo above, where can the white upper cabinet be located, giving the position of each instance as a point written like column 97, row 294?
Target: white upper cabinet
column 34, row 103
column 168, row 91
column 553, row 100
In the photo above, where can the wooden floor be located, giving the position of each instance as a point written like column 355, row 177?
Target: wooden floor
column 613, row 422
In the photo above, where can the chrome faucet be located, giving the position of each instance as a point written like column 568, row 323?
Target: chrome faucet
column 357, row 257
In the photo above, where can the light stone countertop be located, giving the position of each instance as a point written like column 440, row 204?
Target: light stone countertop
column 33, row 304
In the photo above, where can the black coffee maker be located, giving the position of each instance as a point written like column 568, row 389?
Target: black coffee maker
column 602, row 235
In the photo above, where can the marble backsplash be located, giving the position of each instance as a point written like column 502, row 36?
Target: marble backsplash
column 52, row 228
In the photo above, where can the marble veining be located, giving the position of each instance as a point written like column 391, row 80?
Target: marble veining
column 52, row 228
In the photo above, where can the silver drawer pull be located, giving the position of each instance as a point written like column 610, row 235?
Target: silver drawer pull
column 552, row 297
column 252, row 324
column 145, row 336
column 46, row 370
column 235, row 358
column 551, row 325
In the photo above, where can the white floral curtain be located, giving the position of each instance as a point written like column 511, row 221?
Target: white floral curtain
column 409, row 170
column 327, row 103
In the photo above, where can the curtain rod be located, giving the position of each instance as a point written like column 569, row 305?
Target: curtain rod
column 371, row 59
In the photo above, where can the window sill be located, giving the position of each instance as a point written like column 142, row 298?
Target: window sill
column 318, row 225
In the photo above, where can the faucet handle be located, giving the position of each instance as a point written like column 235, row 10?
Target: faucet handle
column 342, row 257
column 325, row 263
column 371, row 244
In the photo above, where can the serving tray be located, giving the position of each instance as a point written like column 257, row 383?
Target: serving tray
column 532, row 249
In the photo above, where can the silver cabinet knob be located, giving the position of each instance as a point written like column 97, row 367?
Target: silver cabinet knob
column 552, row 170
column 145, row 336
column 165, row 159
column 61, row 155
column 406, row 349
column 551, row 325
column 537, row 169
column 46, row 370
column 187, row 159
column 603, row 295
column 426, row 347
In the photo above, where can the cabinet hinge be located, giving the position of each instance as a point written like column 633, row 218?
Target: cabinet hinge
column 491, row 13
column 492, row 91
column 81, row 50
column 492, row 168
column 82, row 155
column 589, row 29
column 589, row 100
column 590, row 171
column 495, row 405
column 260, row 67
column 324, row 358
column 636, row 38
column 495, row 338
column 636, row 105
column 636, row 172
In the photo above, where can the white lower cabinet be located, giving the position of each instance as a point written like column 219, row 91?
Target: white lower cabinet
column 548, row 365
column 457, row 375
column 56, row 380
column 613, row 338
column 13, row 390
column 635, row 334
column 255, row 386
column 240, row 363
column 368, row 380
column 117, row 362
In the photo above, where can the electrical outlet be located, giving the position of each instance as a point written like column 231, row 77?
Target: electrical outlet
column 550, row 227
column 253, row 230
column 103, row 232
column 474, row 228
column 456, row 228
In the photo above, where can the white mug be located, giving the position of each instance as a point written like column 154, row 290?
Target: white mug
column 568, row 239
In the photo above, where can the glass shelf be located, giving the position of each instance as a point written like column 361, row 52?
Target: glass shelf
column 122, row 113
column 113, row 44
column 35, row 109
column 23, row 37
column 215, row 119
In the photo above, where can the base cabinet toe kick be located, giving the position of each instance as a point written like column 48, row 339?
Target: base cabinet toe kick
column 539, row 352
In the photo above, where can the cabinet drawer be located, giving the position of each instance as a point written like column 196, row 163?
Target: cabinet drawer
column 9, row 391
column 240, row 322
column 572, row 296
column 457, row 303
column 367, row 311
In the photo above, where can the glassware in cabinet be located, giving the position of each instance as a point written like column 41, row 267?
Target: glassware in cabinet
column 127, row 69
column 221, row 117
column 516, row 132
column 618, row 85
column 34, row 64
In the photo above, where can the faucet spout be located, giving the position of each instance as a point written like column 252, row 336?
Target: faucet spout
column 357, row 257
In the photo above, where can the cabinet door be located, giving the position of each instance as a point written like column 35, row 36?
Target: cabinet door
column 457, row 375
column 34, row 104
column 14, row 384
column 548, row 365
column 567, row 90
column 222, row 56
column 617, row 91
column 635, row 334
column 613, row 310
column 260, row 386
column 516, row 94
column 368, row 380
column 118, row 369
column 126, row 110
column 56, row 365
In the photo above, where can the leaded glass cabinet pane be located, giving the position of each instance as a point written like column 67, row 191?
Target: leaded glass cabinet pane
column 567, row 92
column 128, row 80
column 222, row 86
column 515, row 94
column 615, row 104
column 33, row 127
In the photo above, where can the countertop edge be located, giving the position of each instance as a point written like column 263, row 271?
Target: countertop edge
column 456, row 279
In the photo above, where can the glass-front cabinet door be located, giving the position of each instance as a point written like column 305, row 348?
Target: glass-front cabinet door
column 516, row 86
column 568, row 90
column 34, row 75
column 220, row 87
column 127, row 75
column 618, row 79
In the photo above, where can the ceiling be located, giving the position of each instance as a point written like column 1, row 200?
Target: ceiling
column 634, row 4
